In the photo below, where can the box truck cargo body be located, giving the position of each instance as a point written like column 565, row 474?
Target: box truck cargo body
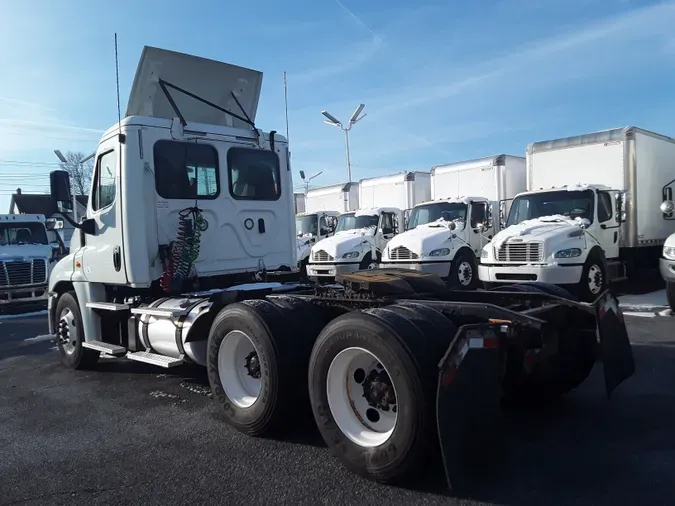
column 342, row 197
column 592, row 213
column 445, row 236
column 401, row 191
column 299, row 203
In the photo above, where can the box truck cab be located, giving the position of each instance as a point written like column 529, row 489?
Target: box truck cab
column 26, row 258
column 357, row 243
column 311, row 228
column 562, row 236
column 444, row 237
column 581, row 235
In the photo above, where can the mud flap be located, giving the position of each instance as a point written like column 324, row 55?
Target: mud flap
column 468, row 405
column 615, row 348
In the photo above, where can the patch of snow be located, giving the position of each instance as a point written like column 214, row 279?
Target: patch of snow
column 23, row 315
column 158, row 393
column 651, row 300
column 368, row 212
column 528, row 226
column 197, row 389
column 640, row 314
column 40, row 338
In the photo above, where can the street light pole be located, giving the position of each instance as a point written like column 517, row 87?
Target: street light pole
column 307, row 180
column 333, row 121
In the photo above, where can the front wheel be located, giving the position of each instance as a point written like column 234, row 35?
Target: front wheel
column 670, row 294
column 70, row 334
column 464, row 271
column 593, row 278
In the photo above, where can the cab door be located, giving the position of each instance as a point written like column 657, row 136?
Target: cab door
column 102, row 252
column 608, row 231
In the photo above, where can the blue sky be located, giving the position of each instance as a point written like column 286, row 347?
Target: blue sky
column 442, row 81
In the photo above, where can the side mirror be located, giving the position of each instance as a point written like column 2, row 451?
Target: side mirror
column 452, row 225
column 59, row 187
column 667, row 207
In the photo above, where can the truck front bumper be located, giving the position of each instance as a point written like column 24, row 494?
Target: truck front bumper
column 667, row 268
column 330, row 270
column 553, row 274
column 23, row 294
column 441, row 269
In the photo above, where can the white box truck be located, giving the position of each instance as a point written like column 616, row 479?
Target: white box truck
column 403, row 190
column 299, row 202
column 591, row 215
column 188, row 196
column 342, row 197
column 445, row 235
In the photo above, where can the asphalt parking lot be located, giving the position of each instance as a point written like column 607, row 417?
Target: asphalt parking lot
column 134, row 434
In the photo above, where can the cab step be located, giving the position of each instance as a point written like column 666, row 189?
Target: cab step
column 107, row 348
column 108, row 306
column 154, row 359
column 158, row 313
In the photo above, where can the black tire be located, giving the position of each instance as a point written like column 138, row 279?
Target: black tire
column 283, row 362
column 395, row 336
column 73, row 355
column 367, row 260
column 463, row 258
column 670, row 294
column 595, row 262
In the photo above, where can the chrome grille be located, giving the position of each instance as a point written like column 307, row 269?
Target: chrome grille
column 20, row 273
column 402, row 253
column 322, row 256
column 520, row 252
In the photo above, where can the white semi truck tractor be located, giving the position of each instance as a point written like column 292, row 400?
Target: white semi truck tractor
column 446, row 235
column 591, row 214
column 189, row 198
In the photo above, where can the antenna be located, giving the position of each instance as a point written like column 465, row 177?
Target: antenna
column 286, row 104
column 117, row 78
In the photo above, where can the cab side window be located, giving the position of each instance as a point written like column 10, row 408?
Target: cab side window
column 478, row 213
column 387, row 223
column 105, row 185
column 604, row 206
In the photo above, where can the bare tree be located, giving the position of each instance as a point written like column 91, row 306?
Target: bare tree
column 80, row 173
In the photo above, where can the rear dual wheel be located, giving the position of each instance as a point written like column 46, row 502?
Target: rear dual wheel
column 257, row 361
column 372, row 386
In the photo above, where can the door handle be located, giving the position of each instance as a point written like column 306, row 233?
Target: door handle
column 261, row 225
column 117, row 258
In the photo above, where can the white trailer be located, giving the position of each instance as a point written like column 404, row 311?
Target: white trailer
column 444, row 236
column 497, row 178
column 342, row 197
column 299, row 203
column 591, row 215
column 189, row 198
column 402, row 190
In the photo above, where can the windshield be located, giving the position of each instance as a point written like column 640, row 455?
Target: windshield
column 573, row 204
column 448, row 211
column 12, row 234
column 306, row 224
column 352, row 222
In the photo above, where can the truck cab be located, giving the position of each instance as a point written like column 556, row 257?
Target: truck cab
column 357, row 244
column 311, row 228
column 567, row 236
column 443, row 237
column 187, row 194
column 26, row 258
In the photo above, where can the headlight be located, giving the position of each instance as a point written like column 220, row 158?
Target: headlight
column 567, row 253
column 442, row 252
column 669, row 252
column 352, row 254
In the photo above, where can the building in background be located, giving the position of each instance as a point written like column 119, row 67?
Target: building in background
column 40, row 203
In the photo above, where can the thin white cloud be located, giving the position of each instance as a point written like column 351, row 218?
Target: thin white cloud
column 24, row 103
